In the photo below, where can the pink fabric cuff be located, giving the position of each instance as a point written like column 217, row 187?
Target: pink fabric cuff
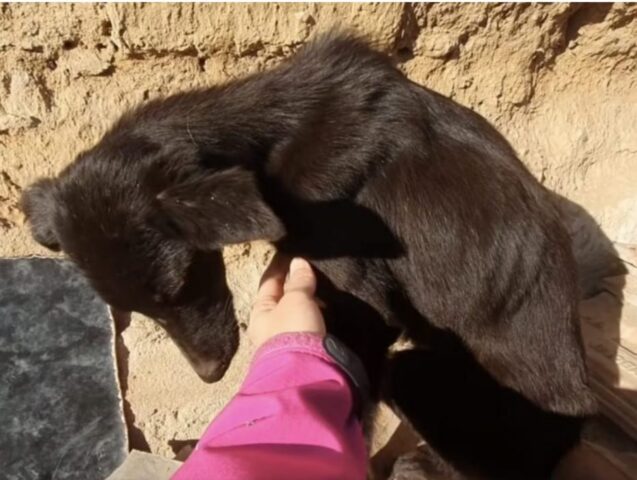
column 302, row 342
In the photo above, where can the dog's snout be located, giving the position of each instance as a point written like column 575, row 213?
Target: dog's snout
column 211, row 371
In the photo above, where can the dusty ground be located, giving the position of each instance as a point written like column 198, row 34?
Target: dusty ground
column 558, row 80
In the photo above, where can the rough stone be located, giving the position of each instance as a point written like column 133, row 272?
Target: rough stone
column 9, row 122
column 61, row 405
column 25, row 104
column 82, row 63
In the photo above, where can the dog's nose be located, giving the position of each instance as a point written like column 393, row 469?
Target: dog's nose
column 211, row 371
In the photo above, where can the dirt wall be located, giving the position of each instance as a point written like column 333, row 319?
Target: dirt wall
column 559, row 80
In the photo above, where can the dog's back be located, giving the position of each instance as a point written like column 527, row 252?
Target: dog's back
column 484, row 253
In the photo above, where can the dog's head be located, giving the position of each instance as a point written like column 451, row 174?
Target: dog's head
column 146, row 224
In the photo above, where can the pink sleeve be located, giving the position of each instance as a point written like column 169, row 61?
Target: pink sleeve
column 292, row 419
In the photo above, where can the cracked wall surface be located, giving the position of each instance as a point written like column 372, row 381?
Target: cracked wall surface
column 559, row 80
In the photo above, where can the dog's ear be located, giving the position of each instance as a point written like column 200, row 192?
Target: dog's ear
column 217, row 209
column 38, row 205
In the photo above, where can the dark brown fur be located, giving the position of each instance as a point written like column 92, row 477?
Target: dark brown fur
column 415, row 211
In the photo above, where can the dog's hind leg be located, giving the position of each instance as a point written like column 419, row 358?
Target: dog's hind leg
column 478, row 427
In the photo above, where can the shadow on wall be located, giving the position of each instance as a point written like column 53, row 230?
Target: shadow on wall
column 136, row 438
column 607, row 274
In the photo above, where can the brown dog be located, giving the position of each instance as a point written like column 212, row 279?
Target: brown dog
column 415, row 211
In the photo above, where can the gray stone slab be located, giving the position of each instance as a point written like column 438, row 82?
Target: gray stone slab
column 60, row 405
column 145, row 466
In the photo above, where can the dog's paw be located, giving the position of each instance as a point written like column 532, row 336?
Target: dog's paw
column 420, row 464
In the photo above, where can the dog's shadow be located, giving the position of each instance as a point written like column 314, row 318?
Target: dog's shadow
column 603, row 269
column 608, row 273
